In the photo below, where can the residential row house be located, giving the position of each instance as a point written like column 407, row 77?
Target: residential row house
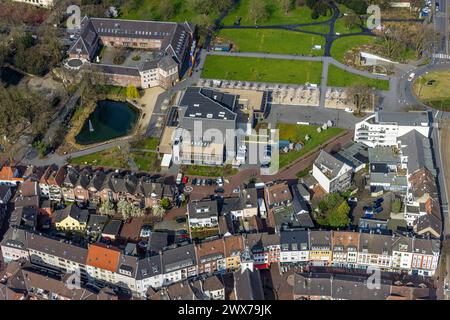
column 103, row 264
column 71, row 184
column 358, row 250
column 327, row 286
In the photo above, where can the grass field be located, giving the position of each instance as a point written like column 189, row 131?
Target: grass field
column 342, row 45
column 207, row 171
column 276, row 15
column 320, row 28
column 149, row 143
column 113, row 157
column 246, row 40
column 341, row 78
column 149, row 10
column 297, row 133
column 437, row 95
column 147, row 161
column 262, row 70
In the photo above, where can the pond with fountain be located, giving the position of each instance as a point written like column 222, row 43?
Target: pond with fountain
column 110, row 120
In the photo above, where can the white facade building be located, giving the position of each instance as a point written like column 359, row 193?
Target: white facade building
column 383, row 128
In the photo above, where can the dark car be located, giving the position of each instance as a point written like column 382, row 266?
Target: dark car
column 219, row 190
column 378, row 210
column 209, row 182
column 180, row 220
column 194, row 181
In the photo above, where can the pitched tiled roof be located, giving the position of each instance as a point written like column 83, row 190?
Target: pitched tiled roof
column 103, row 257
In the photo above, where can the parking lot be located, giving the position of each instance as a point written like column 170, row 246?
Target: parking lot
column 380, row 206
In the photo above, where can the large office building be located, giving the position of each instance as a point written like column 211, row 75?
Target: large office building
column 205, row 118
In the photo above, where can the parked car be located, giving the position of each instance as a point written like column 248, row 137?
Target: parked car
column 179, row 177
column 203, row 182
column 180, row 220
column 411, row 77
column 219, row 182
column 194, row 181
column 219, row 190
column 378, row 210
column 182, row 231
column 349, row 110
column 185, row 180
column 209, row 182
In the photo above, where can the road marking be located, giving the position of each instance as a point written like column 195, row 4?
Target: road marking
column 441, row 56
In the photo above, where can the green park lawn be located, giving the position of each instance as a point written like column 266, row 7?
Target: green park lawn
column 112, row 157
column 339, row 26
column 276, row 15
column 209, row 171
column 116, row 158
column 268, row 41
column 148, row 143
column 297, row 133
column 148, row 10
column 341, row 78
column 342, row 45
column 319, row 28
column 147, row 161
column 435, row 93
column 262, row 70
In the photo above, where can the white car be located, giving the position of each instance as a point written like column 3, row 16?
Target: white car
column 411, row 77
column 220, row 182
column 349, row 110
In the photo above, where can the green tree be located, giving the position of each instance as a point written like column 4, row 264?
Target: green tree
column 132, row 92
column 41, row 147
column 124, row 208
column 338, row 217
column 167, row 9
column 165, row 203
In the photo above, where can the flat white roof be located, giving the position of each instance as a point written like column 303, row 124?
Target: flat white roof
column 166, row 160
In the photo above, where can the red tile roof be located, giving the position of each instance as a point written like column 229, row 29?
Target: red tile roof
column 103, row 257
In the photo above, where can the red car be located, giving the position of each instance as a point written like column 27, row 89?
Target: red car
column 185, row 180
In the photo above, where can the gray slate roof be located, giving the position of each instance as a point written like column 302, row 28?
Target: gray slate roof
column 403, row 118
column 329, row 163
column 248, row 285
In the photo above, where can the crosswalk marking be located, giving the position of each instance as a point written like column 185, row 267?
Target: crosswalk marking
column 441, row 56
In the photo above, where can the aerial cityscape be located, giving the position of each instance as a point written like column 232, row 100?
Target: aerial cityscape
column 224, row 150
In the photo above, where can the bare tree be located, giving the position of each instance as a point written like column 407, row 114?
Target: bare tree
column 362, row 96
column 423, row 39
column 286, row 5
column 257, row 11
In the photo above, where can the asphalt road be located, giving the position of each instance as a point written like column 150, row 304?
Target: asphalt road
column 441, row 24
